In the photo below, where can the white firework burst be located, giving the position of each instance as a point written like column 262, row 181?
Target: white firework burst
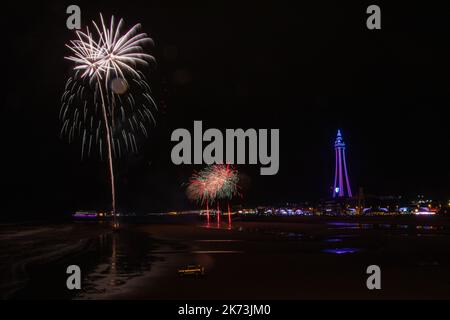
column 107, row 101
column 121, row 102
column 109, row 51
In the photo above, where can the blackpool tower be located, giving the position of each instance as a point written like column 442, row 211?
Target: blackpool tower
column 340, row 171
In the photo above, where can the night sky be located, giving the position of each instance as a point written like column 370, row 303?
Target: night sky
column 307, row 70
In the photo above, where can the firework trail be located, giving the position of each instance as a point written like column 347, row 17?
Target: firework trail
column 227, row 178
column 107, row 102
column 212, row 184
column 198, row 190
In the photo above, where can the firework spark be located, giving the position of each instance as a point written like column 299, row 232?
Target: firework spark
column 107, row 102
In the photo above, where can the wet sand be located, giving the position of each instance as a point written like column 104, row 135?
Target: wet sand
column 33, row 257
column 310, row 258
column 278, row 260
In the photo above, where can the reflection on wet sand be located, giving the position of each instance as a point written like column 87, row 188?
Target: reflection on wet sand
column 341, row 250
column 121, row 257
column 34, row 260
column 140, row 261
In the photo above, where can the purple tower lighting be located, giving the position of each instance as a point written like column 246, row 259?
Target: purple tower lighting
column 340, row 170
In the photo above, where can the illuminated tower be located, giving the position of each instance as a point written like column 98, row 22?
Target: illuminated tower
column 340, row 171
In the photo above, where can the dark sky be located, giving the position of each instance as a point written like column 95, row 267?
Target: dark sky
column 307, row 70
